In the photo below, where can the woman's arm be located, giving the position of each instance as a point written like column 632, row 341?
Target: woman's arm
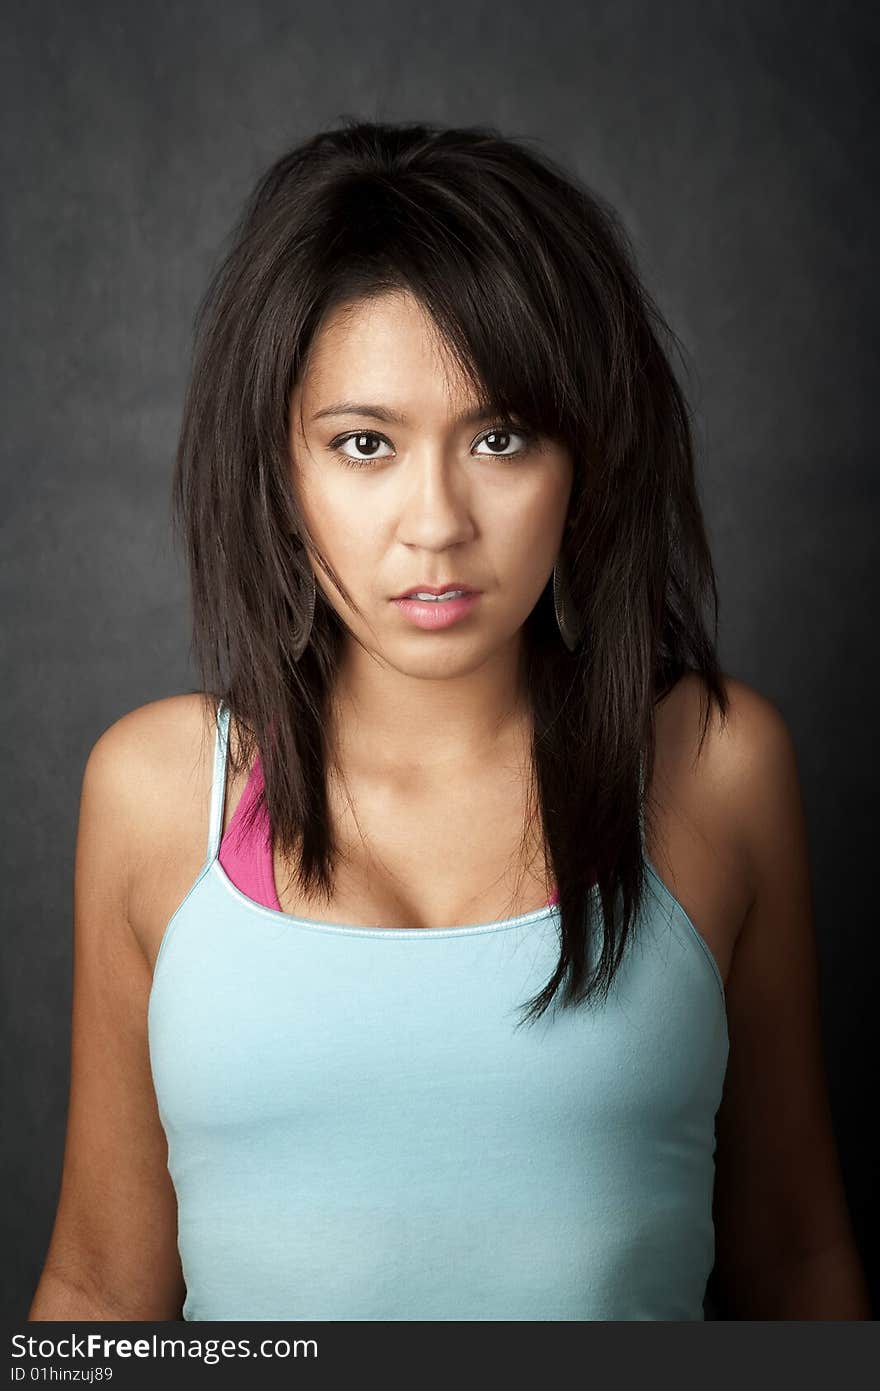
column 784, row 1242
column 113, row 1249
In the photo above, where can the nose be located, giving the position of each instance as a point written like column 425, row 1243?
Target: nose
column 435, row 511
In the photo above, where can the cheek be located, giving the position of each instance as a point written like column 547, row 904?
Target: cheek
column 523, row 558
column 527, row 544
column 534, row 523
column 350, row 538
column 335, row 519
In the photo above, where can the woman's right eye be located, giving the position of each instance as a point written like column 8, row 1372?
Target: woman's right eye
column 356, row 438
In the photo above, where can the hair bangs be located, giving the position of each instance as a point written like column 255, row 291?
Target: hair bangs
column 496, row 332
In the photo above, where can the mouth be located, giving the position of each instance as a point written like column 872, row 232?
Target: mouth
column 435, row 612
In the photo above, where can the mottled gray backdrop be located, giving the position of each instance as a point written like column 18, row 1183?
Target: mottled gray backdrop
column 736, row 141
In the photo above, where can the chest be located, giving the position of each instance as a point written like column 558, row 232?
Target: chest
column 462, row 853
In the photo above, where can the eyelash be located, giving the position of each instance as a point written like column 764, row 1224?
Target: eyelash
column 528, row 435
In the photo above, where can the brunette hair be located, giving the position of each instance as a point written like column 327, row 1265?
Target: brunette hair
column 530, row 278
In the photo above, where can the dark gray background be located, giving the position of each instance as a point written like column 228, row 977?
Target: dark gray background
column 734, row 140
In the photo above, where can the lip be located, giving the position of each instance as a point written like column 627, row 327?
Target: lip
column 435, row 616
column 436, row 589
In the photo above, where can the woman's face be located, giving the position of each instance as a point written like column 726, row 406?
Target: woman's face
column 439, row 493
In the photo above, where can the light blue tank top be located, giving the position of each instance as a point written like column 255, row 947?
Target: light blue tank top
column 356, row 1129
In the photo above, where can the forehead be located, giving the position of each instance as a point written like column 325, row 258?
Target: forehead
column 384, row 349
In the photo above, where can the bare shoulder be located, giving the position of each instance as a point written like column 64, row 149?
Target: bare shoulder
column 150, row 756
column 143, row 735
column 742, row 777
column 751, row 727
column 147, row 780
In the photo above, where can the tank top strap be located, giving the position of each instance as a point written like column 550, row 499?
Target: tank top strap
column 218, row 781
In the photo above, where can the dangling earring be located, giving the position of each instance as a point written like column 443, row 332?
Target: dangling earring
column 566, row 616
column 302, row 639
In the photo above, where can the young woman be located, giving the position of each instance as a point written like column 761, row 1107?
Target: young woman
column 446, row 956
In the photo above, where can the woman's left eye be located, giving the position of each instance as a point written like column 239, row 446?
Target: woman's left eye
column 501, row 432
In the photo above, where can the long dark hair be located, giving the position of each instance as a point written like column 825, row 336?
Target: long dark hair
column 531, row 278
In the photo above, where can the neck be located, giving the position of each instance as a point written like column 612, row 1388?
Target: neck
column 394, row 723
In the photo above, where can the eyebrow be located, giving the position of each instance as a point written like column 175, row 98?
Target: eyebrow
column 375, row 412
